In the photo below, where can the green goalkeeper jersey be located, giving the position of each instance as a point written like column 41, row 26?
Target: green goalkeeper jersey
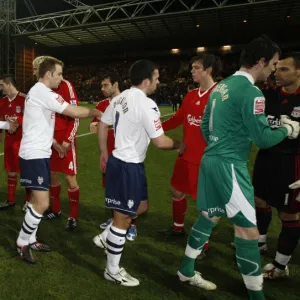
column 234, row 117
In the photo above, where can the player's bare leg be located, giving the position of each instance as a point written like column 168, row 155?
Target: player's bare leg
column 287, row 243
column 74, row 195
column 27, row 236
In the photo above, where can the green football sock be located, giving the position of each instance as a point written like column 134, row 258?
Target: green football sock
column 198, row 237
column 248, row 260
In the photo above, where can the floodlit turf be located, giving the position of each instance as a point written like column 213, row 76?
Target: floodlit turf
column 74, row 270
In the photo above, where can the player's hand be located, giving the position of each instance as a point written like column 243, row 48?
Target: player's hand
column 13, row 125
column 181, row 148
column 67, row 146
column 103, row 161
column 60, row 149
column 292, row 126
column 93, row 127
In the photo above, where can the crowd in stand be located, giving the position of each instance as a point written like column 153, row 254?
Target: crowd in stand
column 175, row 78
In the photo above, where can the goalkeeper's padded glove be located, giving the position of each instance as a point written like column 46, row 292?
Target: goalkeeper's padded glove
column 291, row 126
column 295, row 185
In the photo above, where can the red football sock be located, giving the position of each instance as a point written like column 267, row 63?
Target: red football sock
column 74, row 201
column 11, row 188
column 179, row 210
column 28, row 194
column 55, row 199
column 133, row 222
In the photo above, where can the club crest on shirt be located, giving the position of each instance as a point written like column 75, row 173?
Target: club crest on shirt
column 40, row 180
column 259, row 105
column 18, row 109
column 130, row 203
column 73, row 102
column 296, row 112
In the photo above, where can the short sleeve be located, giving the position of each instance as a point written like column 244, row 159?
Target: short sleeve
column 107, row 116
column 55, row 103
column 151, row 120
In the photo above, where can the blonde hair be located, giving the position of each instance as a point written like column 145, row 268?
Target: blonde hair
column 37, row 61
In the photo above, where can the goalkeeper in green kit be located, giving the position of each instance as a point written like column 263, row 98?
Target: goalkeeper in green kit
column 234, row 117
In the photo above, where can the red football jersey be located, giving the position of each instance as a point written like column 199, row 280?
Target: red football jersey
column 101, row 106
column 13, row 109
column 67, row 124
column 190, row 116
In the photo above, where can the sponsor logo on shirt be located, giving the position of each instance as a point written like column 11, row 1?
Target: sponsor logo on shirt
column 59, row 99
column 157, row 124
column 296, row 112
column 259, row 105
column 193, row 121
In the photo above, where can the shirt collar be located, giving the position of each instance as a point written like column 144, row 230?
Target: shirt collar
column 245, row 74
column 138, row 90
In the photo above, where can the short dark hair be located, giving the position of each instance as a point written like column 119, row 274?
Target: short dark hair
column 48, row 64
column 114, row 77
column 295, row 55
column 209, row 60
column 141, row 70
column 8, row 78
column 261, row 47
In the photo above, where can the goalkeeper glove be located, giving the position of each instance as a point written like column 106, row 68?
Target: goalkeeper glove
column 291, row 126
column 295, row 185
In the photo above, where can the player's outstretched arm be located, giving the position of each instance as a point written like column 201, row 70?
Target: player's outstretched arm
column 102, row 139
column 254, row 118
column 166, row 143
column 81, row 112
column 9, row 125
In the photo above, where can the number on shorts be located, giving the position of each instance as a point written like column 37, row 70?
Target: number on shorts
column 71, row 166
column 117, row 117
column 211, row 118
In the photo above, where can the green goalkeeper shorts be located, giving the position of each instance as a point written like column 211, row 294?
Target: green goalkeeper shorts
column 225, row 189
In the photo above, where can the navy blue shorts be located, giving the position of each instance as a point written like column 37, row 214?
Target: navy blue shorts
column 126, row 186
column 35, row 173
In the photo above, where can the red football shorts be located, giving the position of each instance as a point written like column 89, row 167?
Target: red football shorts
column 110, row 148
column 67, row 165
column 185, row 177
column 11, row 156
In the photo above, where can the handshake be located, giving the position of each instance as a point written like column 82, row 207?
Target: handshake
column 12, row 124
column 292, row 126
column 62, row 149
